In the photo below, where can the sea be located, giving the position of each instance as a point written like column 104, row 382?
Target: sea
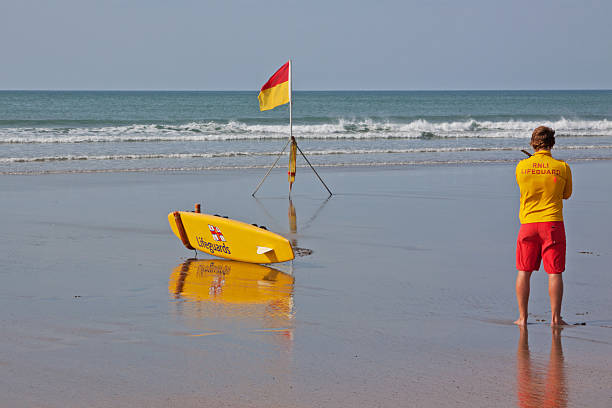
column 49, row 132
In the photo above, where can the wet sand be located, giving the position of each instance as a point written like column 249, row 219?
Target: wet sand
column 406, row 300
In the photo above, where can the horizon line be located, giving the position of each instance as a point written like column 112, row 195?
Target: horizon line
column 308, row 90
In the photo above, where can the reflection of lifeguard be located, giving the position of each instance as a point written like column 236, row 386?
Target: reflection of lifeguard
column 531, row 390
column 234, row 283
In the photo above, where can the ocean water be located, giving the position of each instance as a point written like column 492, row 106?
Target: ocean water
column 44, row 132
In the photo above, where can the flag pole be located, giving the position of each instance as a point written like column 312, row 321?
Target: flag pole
column 288, row 141
column 290, row 103
column 290, row 121
column 291, row 138
column 291, row 131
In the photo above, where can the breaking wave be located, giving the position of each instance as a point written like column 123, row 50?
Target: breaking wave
column 339, row 129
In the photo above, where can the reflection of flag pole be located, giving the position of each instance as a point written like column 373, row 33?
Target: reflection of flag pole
column 292, row 218
column 292, row 223
column 278, row 91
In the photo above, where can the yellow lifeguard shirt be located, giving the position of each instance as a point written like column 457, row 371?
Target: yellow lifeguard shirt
column 544, row 182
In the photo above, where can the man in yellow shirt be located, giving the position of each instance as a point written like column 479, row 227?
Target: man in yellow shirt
column 544, row 183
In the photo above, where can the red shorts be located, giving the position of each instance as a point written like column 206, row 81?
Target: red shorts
column 541, row 241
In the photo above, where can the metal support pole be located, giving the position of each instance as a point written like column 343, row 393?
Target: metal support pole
column 270, row 169
column 313, row 169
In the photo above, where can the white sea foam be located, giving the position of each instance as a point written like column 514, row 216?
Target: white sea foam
column 212, row 168
column 341, row 129
column 328, row 152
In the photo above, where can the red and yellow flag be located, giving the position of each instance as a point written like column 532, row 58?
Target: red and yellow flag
column 276, row 91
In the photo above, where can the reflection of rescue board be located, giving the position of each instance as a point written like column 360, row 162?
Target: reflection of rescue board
column 228, row 238
column 233, row 282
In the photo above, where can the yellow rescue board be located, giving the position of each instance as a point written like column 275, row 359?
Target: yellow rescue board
column 227, row 238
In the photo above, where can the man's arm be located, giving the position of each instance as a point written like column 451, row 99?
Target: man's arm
column 567, row 192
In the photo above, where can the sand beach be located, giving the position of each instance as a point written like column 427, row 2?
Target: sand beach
column 406, row 300
column 402, row 293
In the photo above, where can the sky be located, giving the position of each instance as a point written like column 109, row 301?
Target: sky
column 334, row 45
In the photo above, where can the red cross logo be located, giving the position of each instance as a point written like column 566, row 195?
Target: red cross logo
column 216, row 233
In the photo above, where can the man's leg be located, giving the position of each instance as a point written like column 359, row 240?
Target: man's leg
column 555, row 291
column 522, row 296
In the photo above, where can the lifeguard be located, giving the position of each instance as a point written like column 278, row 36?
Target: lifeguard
column 544, row 183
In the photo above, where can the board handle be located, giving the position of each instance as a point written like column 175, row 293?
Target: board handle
column 181, row 230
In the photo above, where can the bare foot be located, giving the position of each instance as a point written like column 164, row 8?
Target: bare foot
column 558, row 322
column 521, row 322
